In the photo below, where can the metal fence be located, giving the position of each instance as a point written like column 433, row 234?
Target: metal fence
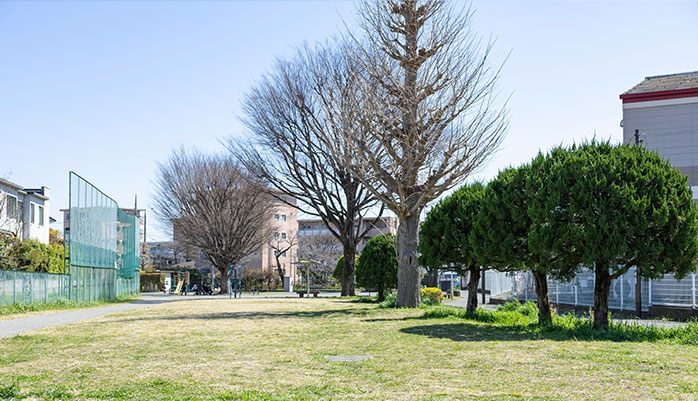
column 102, row 254
column 83, row 284
column 579, row 291
column 20, row 287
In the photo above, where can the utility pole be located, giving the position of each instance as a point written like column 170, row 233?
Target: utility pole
column 638, row 275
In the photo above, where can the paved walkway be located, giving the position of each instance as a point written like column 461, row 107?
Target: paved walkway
column 24, row 324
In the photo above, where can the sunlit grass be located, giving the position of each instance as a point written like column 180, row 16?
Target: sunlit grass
column 274, row 349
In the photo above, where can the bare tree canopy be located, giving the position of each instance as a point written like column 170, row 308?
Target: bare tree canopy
column 426, row 99
column 322, row 248
column 289, row 112
column 280, row 244
column 214, row 205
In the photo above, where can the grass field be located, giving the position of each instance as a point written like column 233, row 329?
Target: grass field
column 274, row 349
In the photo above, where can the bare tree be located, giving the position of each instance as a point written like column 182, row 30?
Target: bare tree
column 302, row 100
column 426, row 96
column 322, row 248
column 214, row 205
column 280, row 244
column 11, row 215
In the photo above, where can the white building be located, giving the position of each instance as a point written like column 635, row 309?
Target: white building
column 24, row 211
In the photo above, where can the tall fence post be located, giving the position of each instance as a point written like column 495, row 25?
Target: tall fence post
column 649, row 295
column 693, row 289
column 621, row 292
column 557, row 293
column 525, row 286
column 576, row 286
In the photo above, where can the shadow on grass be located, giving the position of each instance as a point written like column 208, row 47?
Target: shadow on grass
column 469, row 332
column 514, row 326
column 325, row 313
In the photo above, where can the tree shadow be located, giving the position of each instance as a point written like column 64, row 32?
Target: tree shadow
column 470, row 332
column 325, row 313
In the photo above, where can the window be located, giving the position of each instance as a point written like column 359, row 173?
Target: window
column 283, row 254
column 283, row 235
column 283, row 217
column 276, row 216
column 33, row 213
column 11, row 207
column 41, row 215
column 276, row 235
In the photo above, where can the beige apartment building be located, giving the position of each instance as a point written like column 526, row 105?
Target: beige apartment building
column 307, row 228
column 284, row 242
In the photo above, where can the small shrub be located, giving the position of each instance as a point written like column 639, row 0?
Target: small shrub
column 431, row 296
column 390, row 300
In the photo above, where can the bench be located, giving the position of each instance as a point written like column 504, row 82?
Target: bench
column 302, row 293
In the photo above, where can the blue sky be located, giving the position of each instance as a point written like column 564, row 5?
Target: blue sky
column 107, row 89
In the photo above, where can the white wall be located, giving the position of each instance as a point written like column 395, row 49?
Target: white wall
column 24, row 227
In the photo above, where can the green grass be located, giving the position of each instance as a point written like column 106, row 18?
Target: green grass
column 61, row 304
column 523, row 319
column 274, row 349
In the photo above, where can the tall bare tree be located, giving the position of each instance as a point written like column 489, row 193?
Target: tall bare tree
column 301, row 101
column 280, row 244
column 426, row 96
column 214, row 205
column 324, row 249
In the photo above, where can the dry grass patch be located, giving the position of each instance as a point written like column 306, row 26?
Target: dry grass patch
column 273, row 349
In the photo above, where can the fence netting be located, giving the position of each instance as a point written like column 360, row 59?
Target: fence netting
column 102, row 249
column 101, row 234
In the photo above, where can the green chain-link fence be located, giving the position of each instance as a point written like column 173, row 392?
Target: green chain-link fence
column 102, row 254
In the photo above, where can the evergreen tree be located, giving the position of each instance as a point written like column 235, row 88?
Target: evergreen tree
column 377, row 264
column 610, row 208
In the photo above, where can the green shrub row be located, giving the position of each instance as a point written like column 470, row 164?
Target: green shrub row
column 30, row 255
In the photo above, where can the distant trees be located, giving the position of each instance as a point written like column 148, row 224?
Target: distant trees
column 425, row 92
column 377, row 265
column 214, row 205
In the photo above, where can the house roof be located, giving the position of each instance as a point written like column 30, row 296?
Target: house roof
column 671, row 82
column 37, row 193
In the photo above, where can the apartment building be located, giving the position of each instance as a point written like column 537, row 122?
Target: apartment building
column 284, row 242
column 663, row 111
column 307, row 228
column 24, row 211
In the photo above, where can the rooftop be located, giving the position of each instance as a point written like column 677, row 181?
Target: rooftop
column 661, row 83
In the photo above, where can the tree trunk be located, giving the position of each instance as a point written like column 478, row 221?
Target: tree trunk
column 279, row 270
column 348, row 272
column 432, row 278
column 225, row 280
column 408, row 273
column 541, row 282
column 381, row 293
column 601, row 290
column 473, row 279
